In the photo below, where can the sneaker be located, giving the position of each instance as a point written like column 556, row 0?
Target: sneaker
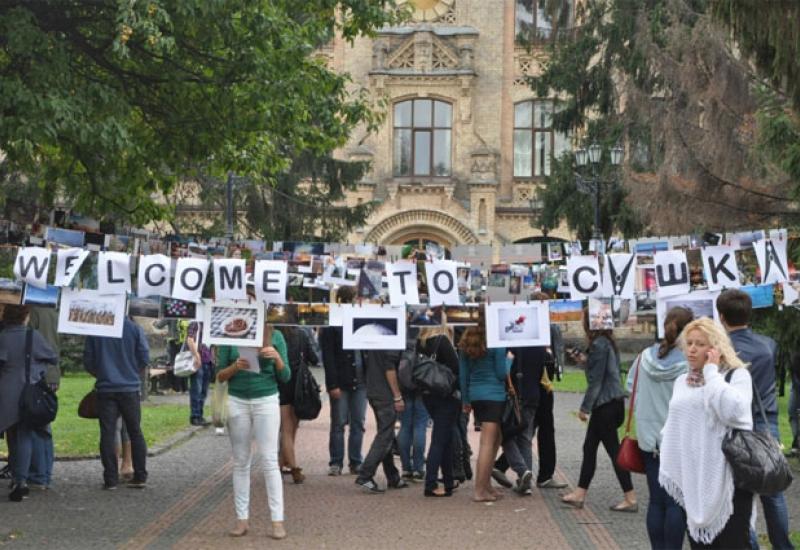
column 523, row 483
column 418, row 476
column 219, row 431
column 354, row 469
column 370, row 486
column 398, row 483
column 109, row 487
column 136, row 484
column 408, row 475
column 551, row 484
column 335, row 470
column 18, row 492
column 500, row 477
column 38, row 487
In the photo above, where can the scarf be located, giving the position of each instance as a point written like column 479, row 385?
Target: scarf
column 694, row 378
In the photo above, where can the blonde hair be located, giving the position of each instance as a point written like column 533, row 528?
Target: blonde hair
column 718, row 338
column 430, row 332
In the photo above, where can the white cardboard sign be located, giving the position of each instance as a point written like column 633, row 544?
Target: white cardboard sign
column 31, row 265
column 113, row 272
column 270, row 277
column 719, row 267
column 190, row 277
column 584, row 277
column 68, row 263
column 154, row 275
column 442, row 276
column 229, row 279
column 402, row 279
column 672, row 273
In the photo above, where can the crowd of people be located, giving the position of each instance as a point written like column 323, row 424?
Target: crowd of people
column 701, row 380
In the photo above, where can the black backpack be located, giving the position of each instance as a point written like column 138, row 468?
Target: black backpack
column 307, row 402
column 38, row 404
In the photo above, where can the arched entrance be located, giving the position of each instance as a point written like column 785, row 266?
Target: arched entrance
column 422, row 225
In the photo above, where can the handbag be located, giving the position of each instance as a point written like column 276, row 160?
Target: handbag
column 431, row 376
column 183, row 366
column 88, row 406
column 38, row 404
column 629, row 456
column 307, row 402
column 755, row 457
column 511, row 423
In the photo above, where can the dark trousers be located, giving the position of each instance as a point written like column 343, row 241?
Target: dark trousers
column 380, row 452
column 545, row 435
column 603, row 424
column 666, row 520
column 110, row 406
column 444, row 413
column 198, row 390
column 736, row 534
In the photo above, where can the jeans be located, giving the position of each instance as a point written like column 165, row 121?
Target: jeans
column 380, row 452
column 794, row 412
column 545, row 436
column 603, row 424
column 350, row 408
column 111, row 405
column 517, row 449
column 776, row 513
column 444, row 412
column 198, row 390
column 21, row 453
column 258, row 418
column 666, row 520
column 413, row 427
column 41, row 471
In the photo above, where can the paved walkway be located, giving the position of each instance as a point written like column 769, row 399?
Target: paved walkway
column 188, row 504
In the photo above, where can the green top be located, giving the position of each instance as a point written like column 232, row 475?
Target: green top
column 252, row 385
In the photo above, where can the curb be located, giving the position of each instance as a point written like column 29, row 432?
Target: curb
column 178, row 438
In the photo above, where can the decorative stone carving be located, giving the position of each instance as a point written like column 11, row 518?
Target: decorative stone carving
column 424, row 50
column 483, row 166
column 410, row 219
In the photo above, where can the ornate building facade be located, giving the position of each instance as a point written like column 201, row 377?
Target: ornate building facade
column 465, row 143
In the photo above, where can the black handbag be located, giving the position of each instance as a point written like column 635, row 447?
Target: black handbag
column 307, row 402
column 38, row 404
column 755, row 457
column 512, row 423
column 432, row 377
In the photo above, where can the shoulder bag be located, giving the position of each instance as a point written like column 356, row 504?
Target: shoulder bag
column 629, row 456
column 87, row 408
column 183, row 366
column 432, row 377
column 307, row 402
column 755, row 457
column 38, row 404
column 512, row 423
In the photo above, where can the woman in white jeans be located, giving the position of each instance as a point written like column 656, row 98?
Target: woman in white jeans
column 254, row 412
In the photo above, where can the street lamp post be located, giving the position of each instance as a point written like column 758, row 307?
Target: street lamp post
column 231, row 182
column 587, row 180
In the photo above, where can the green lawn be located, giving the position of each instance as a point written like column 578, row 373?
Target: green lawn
column 575, row 381
column 75, row 436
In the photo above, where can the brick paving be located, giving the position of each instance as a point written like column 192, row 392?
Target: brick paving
column 189, row 504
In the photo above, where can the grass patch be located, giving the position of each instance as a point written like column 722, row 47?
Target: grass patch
column 75, row 436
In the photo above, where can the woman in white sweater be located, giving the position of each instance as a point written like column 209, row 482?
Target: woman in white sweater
column 703, row 408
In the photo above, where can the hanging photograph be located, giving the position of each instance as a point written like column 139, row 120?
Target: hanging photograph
column 172, row 308
column 464, row 315
column 601, row 314
column 230, row 323
column 10, row 291
column 566, row 311
column 282, row 314
column 35, row 296
column 374, row 327
column 145, row 307
column 65, row 237
column 702, row 303
column 511, row 325
column 312, row 315
column 424, row 315
column 88, row 313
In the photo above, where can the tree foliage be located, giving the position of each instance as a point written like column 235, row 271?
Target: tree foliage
column 111, row 101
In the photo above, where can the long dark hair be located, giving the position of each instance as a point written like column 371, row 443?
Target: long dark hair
column 473, row 341
column 593, row 335
column 677, row 318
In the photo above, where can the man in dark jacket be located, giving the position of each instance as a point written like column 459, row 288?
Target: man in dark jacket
column 383, row 392
column 116, row 363
column 735, row 308
column 344, row 381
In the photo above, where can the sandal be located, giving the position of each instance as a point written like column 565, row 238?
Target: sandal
column 625, row 506
column 485, row 499
column 577, row 504
column 434, row 493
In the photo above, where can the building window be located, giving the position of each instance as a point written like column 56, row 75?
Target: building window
column 535, row 141
column 422, row 138
column 539, row 21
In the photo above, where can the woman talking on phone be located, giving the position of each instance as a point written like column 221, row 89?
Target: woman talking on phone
column 254, row 412
column 604, row 407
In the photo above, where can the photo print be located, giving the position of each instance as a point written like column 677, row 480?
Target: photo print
column 424, row 315
column 463, row 273
column 282, row 314
column 10, row 291
column 462, row 316
column 601, row 314
column 701, row 302
column 315, row 315
column 476, row 279
column 35, row 296
column 511, row 325
column 761, row 295
column 119, row 243
column 64, row 237
column 88, row 313
column 229, row 323
column 374, row 327
column 566, row 311
column 370, row 281
column 648, row 247
column 515, row 284
column 149, row 306
column 172, row 308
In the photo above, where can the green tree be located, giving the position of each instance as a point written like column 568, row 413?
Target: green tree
column 111, row 101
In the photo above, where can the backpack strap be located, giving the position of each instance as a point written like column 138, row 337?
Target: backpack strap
column 756, row 395
column 28, row 350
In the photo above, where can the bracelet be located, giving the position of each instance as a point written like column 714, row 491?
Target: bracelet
column 398, row 399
